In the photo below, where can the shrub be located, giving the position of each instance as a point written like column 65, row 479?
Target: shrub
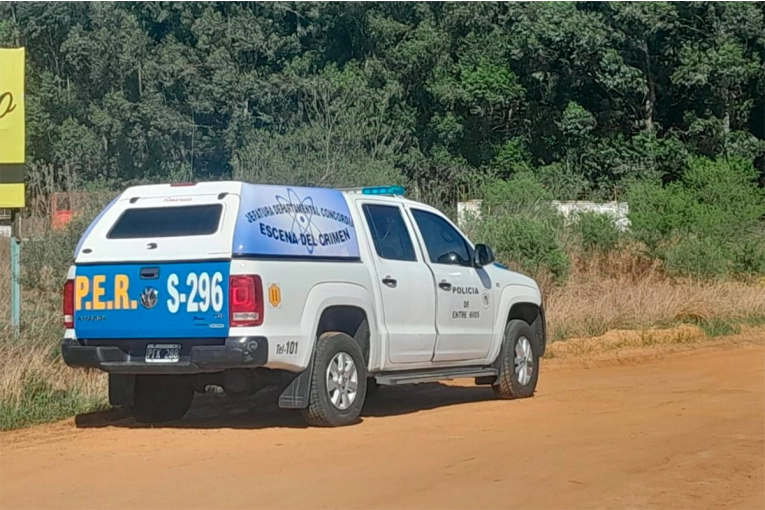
column 658, row 213
column 529, row 243
column 521, row 194
column 713, row 198
column 700, row 257
column 521, row 225
column 707, row 224
column 562, row 181
column 748, row 257
column 596, row 232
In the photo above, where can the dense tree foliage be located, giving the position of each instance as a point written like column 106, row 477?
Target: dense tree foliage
column 588, row 96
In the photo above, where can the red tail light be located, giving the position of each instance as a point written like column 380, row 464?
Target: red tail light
column 69, row 304
column 245, row 300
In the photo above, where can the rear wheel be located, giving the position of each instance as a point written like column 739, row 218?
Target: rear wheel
column 160, row 398
column 339, row 382
column 519, row 363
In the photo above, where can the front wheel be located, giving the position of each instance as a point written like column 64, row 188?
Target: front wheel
column 519, row 362
column 338, row 384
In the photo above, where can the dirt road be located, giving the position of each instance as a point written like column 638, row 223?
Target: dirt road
column 684, row 431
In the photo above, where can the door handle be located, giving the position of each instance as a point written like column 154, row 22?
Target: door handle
column 445, row 285
column 390, row 282
column 149, row 273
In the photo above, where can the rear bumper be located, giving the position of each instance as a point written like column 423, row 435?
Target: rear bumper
column 129, row 356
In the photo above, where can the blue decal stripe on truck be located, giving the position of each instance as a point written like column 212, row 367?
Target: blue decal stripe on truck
column 169, row 300
column 282, row 221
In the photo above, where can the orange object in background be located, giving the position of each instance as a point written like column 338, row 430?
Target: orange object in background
column 66, row 205
column 60, row 210
column 60, row 219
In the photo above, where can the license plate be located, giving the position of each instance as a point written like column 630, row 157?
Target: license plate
column 163, row 353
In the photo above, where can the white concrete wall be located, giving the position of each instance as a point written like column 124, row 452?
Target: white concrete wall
column 617, row 210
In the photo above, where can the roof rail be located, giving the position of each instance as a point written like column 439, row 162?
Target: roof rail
column 377, row 190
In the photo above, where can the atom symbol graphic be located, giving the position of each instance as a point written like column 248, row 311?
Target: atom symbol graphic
column 303, row 221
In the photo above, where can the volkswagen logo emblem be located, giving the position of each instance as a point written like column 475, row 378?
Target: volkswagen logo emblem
column 148, row 298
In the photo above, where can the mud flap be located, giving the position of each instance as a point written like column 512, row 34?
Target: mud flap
column 121, row 389
column 540, row 329
column 297, row 394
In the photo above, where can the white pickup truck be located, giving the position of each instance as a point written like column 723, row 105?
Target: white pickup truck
column 327, row 293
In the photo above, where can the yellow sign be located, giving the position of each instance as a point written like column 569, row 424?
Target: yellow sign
column 12, row 114
column 12, row 195
column 12, row 129
column 274, row 295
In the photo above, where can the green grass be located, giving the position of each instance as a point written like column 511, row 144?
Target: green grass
column 40, row 402
column 718, row 327
column 712, row 327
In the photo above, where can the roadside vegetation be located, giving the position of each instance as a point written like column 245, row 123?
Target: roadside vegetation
column 659, row 105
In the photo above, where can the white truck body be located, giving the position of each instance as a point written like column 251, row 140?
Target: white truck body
column 325, row 259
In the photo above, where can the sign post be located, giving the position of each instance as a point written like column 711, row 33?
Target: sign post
column 15, row 273
column 12, row 161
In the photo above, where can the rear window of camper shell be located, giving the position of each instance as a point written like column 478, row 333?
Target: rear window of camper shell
column 178, row 221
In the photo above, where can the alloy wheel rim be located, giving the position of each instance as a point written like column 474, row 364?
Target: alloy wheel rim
column 524, row 361
column 342, row 381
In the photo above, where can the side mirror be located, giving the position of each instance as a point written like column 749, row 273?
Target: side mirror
column 483, row 255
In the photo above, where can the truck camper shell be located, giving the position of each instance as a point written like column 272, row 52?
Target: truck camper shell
column 222, row 220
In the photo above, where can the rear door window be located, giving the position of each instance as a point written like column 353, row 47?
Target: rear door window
column 180, row 221
column 389, row 232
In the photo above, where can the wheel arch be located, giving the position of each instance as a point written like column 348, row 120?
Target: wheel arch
column 343, row 307
column 349, row 319
column 532, row 314
column 519, row 302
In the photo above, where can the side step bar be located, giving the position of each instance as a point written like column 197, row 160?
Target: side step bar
column 421, row 376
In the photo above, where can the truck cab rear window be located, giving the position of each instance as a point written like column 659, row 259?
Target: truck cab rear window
column 191, row 220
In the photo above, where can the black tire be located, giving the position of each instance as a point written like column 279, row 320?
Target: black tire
column 321, row 412
column 508, row 385
column 160, row 398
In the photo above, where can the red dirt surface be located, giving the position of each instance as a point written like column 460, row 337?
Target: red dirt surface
column 684, row 429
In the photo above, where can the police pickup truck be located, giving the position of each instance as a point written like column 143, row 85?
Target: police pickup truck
column 325, row 293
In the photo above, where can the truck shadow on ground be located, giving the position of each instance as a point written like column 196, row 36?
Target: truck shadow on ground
column 260, row 411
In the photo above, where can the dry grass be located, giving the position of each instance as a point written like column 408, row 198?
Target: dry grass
column 592, row 308
column 34, row 354
column 20, row 360
column 618, row 340
column 35, row 385
column 622, row 291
